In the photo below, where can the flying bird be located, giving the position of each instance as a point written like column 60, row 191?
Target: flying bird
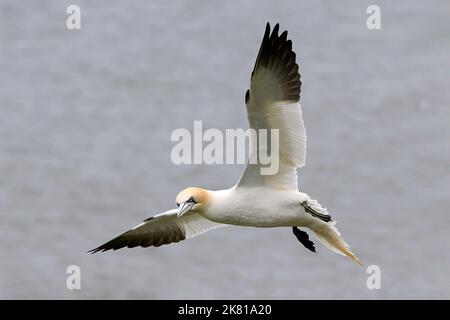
column 257, row 200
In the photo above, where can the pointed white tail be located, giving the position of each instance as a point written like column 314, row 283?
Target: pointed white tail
column 331, row 238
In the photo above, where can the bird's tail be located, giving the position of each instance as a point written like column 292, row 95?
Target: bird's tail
column 331, row 238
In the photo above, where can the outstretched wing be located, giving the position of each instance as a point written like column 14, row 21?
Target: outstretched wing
column 161, row 229
column 273, row 103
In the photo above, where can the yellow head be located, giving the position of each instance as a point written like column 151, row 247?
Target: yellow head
column 192, row 199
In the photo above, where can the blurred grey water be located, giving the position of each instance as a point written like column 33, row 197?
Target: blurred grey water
column 85, row 125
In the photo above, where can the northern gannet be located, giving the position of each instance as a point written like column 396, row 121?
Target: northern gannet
column 256, row 200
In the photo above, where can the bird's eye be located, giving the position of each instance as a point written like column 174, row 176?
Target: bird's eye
column 178, row 204
column 191, row 199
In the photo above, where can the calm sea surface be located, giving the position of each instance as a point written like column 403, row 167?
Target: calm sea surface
column 85, row 124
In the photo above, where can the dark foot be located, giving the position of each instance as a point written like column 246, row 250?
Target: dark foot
column 316, row 214
column 303, row 237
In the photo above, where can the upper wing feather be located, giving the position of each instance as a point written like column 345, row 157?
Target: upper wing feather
column 273, row 103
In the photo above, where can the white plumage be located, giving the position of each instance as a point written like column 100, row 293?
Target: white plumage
column 256, row 200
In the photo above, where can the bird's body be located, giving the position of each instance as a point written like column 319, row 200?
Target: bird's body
column 258, row 207
column 263, row 197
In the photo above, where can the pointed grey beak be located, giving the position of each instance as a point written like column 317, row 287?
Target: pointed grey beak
column 185, row 207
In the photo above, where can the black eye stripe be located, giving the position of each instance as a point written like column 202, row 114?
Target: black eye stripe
column 191, row 199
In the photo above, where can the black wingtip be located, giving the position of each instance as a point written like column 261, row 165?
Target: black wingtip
column 113, row 244
column 92, row 251
column 276, row 54
column 283, row 36
column 274, row 34
column 276, row 28
column 267, row 31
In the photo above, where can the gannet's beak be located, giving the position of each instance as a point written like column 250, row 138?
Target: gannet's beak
column 185, row 207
